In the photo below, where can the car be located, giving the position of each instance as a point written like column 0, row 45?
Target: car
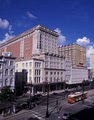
column 31, row 118
column 65, row 116
column 54, row 93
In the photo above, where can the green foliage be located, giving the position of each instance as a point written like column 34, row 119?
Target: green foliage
column 6, row 94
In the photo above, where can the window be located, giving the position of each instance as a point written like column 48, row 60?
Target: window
column 30, row 78
column 51, row 79
column 6, row 82
column 30, row 64
column 11, row 81
column 37, row 64
column 0, row 75
column 46, row 73
column 11, row 72
column 11, row 62
column 51, row 73
column 35, row 80
column 39, row 72
column 22, row 64
column 6, row 72
column 54, row 79
column 39, row 79
column 30, row 72
column 0, row 66
column 26, row 64
column 35, row 72
column 61, row 73
column 6, row 62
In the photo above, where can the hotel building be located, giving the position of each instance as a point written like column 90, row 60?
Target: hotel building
column 75, row 52
column 37, row 51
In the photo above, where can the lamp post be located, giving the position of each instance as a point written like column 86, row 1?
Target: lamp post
column 83, row 89
column 30, row 89
column 47, row 111
column 64, row 87
column 47, row 89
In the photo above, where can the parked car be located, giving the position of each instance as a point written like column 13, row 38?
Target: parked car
column 35, row 118
column 55, row 93
column 65, row 116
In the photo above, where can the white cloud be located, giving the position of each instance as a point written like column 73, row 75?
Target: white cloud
column 61, row 38
column 7, row 37
column 10, row 29
column 30, row 15
column 4, row 23
column 83, row 41
column 90, row 49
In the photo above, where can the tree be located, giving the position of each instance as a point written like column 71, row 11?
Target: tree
column 6, row 94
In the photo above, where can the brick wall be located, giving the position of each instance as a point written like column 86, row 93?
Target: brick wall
column 14, row 47
column 28, row 42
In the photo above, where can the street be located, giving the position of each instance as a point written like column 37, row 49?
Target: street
column 55, row 111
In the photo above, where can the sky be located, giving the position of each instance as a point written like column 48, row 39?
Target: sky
column 72, row 19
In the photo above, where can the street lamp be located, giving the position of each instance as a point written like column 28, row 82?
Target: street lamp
column 64, row 87
column 29, row 85
column 47, row 89
column 83, row 89
column 47, row 111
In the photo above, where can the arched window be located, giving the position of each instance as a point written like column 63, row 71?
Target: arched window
column 11, row 81
column 6, row 72
column 6, row 82
column 11, row 72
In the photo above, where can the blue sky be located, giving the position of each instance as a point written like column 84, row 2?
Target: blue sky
column 72, row 19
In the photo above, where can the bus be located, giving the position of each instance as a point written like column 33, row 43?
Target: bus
column 77, row 96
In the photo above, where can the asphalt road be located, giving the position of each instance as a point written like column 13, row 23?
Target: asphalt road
column 55, row 114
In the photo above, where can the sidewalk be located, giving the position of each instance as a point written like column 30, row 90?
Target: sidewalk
column 12, row 115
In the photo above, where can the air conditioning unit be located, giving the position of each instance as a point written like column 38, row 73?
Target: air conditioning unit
column 6, row 54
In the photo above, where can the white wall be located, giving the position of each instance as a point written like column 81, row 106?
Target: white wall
column 44, row 42
column 31, row 66
column 78, row 75
column 92, row 63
